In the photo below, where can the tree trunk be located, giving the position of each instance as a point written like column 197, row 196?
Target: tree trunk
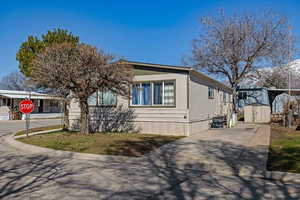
column 84, row 116
column 234, row 100
column 66, row 115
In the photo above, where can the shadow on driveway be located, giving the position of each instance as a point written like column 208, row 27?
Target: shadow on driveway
column 211, row 170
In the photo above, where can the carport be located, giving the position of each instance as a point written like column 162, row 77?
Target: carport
column 273, row 93
column 44, row 103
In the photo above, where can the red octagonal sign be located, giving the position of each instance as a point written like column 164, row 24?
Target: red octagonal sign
column 26, row 106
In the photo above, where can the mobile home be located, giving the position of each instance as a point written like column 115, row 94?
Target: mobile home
column 169, row 100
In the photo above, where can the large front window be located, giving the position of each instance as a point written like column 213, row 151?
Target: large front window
column 103, row 98
column 160, row 93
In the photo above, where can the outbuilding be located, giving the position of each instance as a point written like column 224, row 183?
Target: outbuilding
column 257, row 113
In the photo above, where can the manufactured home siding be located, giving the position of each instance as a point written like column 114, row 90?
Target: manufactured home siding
column 202, row 108
column 153, row 120
column 163, row 120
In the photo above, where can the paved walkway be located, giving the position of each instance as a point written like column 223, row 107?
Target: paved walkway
column 204, row 166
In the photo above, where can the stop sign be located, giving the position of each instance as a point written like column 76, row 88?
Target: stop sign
column 26, row 106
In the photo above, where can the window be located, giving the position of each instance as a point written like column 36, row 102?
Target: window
column 210, row 93
column 103, row 98
column 107, row 98
column 158, row 93
column 242, row 95
column 92, row 100
column 141, row 94
column 169, row 90
column 224, row 97
column 153, row 93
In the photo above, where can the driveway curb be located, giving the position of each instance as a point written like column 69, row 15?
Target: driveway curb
column 32, row 149
column 36, row 133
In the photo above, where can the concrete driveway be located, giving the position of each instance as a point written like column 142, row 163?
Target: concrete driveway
column 204, row 166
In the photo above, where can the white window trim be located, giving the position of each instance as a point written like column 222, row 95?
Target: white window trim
column 152, row 93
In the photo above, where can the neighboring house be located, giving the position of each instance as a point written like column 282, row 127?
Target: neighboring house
column 252, row 95
column 166, row 99
column 46, row 106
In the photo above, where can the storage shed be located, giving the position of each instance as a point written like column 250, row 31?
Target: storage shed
column 257, row 113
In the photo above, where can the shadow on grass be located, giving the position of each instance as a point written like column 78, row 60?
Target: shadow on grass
column 285, row 159
column 284, row 151
column 138, row 148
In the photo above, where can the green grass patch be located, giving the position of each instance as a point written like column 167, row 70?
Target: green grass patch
column 44, row 128
column 124, row 144
column 284, row 152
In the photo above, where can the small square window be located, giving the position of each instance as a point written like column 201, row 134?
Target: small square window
column 210, row 93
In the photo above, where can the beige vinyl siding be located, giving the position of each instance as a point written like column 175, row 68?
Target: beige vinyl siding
column 202, row 108
column 154, row 120
column 163, row 120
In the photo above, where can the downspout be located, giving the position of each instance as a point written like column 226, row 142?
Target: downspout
column 188, row 105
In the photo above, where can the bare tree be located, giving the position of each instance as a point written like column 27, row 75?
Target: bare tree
column 14, row 81
column 276, row 77
column 83, row 70
column 233, row 46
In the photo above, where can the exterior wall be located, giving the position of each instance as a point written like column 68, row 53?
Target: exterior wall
column 198, row 126
column 163, row 120
column 202, row 108
column 154, row 120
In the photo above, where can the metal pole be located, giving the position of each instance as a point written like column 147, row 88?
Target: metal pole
column 27, row 116
column 289, row 78
column 27, row 124
column 62, row 113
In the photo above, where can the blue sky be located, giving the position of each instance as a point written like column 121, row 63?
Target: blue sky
column 149, row 31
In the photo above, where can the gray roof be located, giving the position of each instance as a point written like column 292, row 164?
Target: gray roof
column 182, row 68
column 15, row 94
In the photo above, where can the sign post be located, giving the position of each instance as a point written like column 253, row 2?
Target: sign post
column 26, row 107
